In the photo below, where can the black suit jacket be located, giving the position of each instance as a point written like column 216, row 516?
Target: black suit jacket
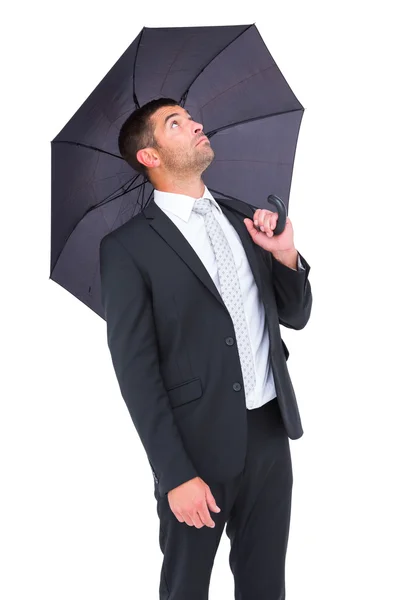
column 173, row 345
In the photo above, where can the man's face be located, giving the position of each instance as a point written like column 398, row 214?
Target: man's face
column 183, row 147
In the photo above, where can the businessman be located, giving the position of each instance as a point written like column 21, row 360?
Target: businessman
column 194, row 289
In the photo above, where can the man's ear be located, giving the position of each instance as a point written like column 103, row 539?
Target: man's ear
column 148, row 157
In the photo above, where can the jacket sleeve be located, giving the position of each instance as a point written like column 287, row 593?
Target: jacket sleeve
column 292, row 292
column 132, row 341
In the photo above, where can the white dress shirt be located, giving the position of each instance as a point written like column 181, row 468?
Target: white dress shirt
column 178, row 207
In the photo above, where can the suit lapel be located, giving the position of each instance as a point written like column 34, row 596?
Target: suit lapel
column 159, row 221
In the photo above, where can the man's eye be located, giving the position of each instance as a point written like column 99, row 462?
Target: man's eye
column 174, row 122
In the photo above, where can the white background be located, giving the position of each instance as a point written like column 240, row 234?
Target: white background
column 78, row 513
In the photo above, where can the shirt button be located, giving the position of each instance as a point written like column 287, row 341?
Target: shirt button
column 229, row 341
column 237, row 386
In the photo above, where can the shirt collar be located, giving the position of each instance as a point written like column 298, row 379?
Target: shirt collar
column 180, row 204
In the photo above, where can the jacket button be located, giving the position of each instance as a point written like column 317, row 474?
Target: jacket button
column 229, row 341
column 237, row 386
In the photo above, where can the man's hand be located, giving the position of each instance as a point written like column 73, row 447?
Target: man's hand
column 261, row 231
column 189, row 503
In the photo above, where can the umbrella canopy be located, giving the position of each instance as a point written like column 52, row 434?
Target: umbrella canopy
column 226, row 79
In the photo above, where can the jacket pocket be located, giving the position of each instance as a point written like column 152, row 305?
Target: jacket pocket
column 185, row 392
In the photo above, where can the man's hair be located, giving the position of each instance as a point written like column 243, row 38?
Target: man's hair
column 137, row 132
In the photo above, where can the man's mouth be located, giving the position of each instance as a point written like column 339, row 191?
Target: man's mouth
column 202, row 139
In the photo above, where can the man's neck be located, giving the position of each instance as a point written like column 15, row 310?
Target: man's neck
column 194, row 189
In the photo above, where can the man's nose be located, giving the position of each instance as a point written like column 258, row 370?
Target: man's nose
column 197, row 127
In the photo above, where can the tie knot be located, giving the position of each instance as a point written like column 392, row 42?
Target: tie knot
column 202, row 206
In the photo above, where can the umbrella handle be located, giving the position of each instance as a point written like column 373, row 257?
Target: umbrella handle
column 282, row 214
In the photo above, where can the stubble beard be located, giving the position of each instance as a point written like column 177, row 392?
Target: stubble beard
column 184, row 164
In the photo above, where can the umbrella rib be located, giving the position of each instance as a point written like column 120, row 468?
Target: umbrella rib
column 111, row 196
column 238, row 83
column 123, row 193
column 93, row 208
column 87, row 146
column 151, row 194
column 143, row 204
column 222, row 194
column 228, row 196
column 284, row 112
column 136, row 101
column 185, row 93
column 98, row 259
column 177, row 54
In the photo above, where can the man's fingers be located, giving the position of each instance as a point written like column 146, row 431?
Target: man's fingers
column 256, row 216
column 188, row 519
column 179, row 516
column 206, row 517
column 274, row 221
column 188, row 502
column 250, row 227
column 211, row 501
column 202, row 512
column 197, row 521
column 183, row 517
column 196, row 518
column 192, row 519
column 268, row 223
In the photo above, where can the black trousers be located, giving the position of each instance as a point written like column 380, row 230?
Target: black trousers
column 255, row 507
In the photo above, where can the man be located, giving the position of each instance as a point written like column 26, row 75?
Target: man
column 193, row 295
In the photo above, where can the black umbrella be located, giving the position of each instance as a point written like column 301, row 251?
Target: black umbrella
column 227, row 80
